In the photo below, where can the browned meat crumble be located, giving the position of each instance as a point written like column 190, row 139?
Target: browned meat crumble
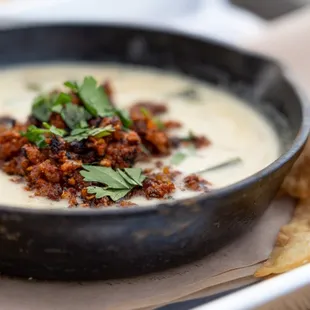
column 54, row 170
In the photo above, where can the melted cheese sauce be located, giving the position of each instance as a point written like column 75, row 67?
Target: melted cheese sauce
column 233, row 127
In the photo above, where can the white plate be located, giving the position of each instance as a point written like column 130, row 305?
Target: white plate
column 286, row 292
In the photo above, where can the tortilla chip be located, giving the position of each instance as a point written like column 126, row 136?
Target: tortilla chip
column 293, row 244
column 297, row 183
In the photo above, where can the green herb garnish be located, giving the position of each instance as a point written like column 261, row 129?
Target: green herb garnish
column 54, row 130
column 41, row 108
column 80, row 134
column 94, row 98
column 160, row 125
column 73, row 85
column 178, row 158
column 117, row 183
column 124, row 117
column 74, row 115
column 95, row 101
column 44, row 105
column 37, row 135
column 146, row 113
column 60, row 101
column 190, row 137
column 114, row 194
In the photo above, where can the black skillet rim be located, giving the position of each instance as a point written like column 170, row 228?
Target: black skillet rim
column 297, row 144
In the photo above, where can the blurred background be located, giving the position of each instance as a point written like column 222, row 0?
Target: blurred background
column 226, row 20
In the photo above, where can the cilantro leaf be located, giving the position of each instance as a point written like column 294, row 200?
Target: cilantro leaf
column 94, row 98
column 117, row 183
column 73, row 85
column 114, row 194
column 160, row 125
column 126, row 177
column 60, row 101
column 73, row 115
column 190, row 137
column 57, row 131
column 54, row 130
column 37, row 135
column 101, row 132
column 41, row 108
column 80, row 134
column 44, row 105
column 96, row 101
column 124, row 117
column 177, row 158
column 104, row 175
column 136, row 175
column 147, row 114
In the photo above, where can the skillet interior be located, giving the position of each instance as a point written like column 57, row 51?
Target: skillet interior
column 95, row 245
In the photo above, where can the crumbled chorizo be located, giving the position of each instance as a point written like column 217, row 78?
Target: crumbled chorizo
column 172, row 124
column 196, row 183
column 53, row 171
column 153, row 108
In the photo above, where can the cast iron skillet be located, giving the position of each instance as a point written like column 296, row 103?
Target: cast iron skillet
column 102, row 244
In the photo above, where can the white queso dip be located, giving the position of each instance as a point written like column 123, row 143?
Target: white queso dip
column 233, row 127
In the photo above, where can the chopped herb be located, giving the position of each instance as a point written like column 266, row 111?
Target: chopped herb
column 54, row 130
column 41, row 108
column 107, row 176
column 83, row 124
column 229, row 162
column 146, row 113
column 177, row 158
column 60, row 101
column 135, row 174
column 80, row 134
column 37, row 135
column 96, row 101
column 117, row 183
column 74, row 115
column 73, row 85
column 94, row 98
column 124, row 117
column 114, row 194
column 190, row 137
column 57, row 108
column 160, row 125
column 44, row 105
